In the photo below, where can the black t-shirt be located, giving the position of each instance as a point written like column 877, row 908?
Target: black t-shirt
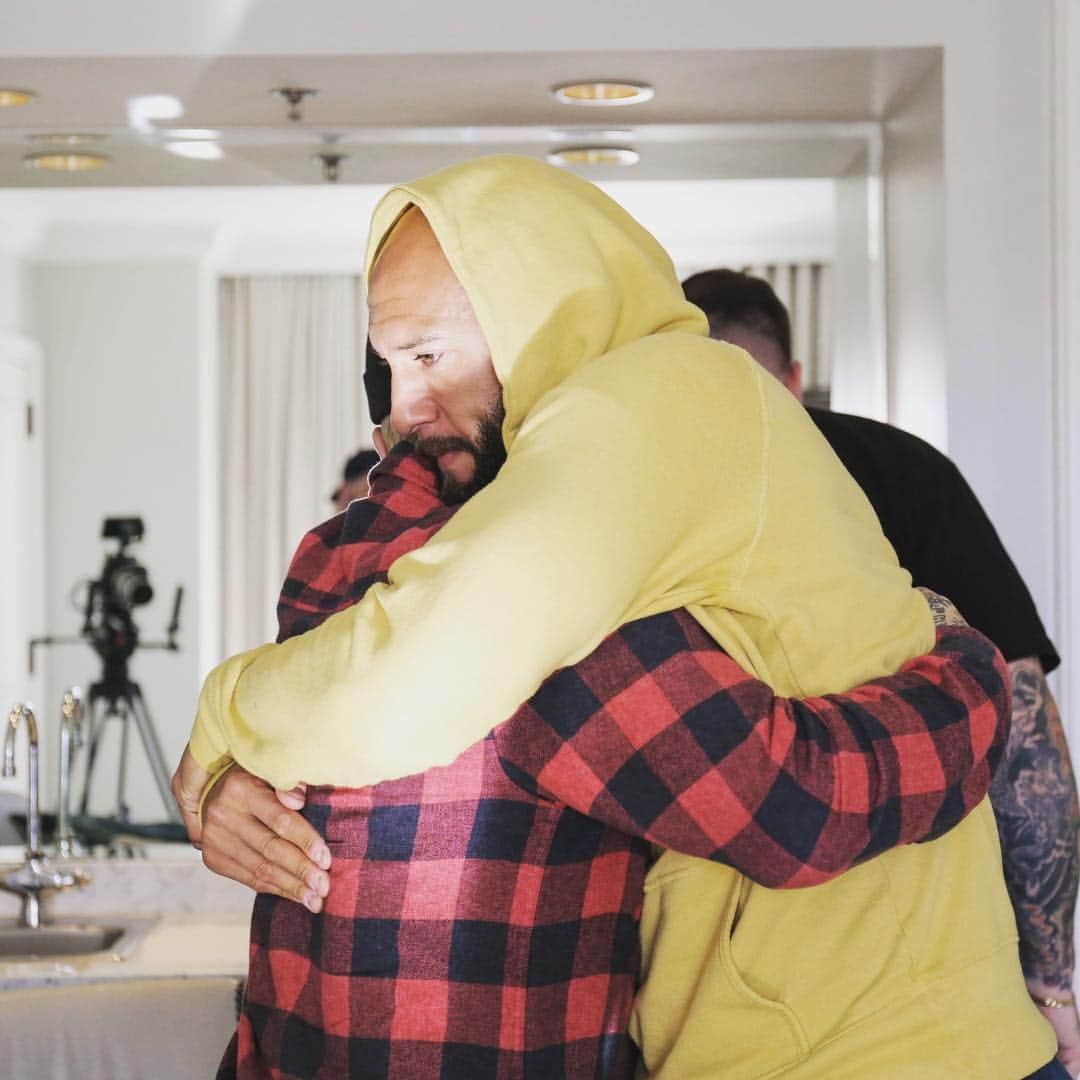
column 940, row 531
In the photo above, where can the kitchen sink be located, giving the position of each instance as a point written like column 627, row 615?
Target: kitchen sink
column 57, row 939
column 74, row 941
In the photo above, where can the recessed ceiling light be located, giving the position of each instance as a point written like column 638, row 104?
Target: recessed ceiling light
column 10, row 98
column 144, row 110
column 579, row 136
column 594, row 155
column 59, row 161
column 202, row 151
column 603, row 93
column 190, row 133
column 66, row 138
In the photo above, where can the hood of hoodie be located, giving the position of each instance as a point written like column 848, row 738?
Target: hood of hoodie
column 556, row 271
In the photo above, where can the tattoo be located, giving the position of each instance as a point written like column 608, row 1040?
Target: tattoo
column 1035, row 802
column 942, row 608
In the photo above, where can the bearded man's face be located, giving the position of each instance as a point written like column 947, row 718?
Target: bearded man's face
column 445, row 396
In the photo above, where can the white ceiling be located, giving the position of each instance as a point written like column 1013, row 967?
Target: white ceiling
column 717, row 113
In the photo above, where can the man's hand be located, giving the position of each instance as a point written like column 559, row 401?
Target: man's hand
column 188, row 783
column 253, row 834
column 1066, row 1024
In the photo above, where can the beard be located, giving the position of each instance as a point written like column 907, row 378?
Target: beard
column 487, row 449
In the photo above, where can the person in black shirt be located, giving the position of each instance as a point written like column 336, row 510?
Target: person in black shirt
column 943, row 537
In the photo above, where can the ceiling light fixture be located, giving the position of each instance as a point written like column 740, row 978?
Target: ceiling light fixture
column 190, row 133
column 61, row 161
column 144, row 110
column 10, row 99
column 603, row 93
column 200, row 151
column 331, row 164
column 295, row 96
column 66, row 138
column 594, row 155
column 579, row 136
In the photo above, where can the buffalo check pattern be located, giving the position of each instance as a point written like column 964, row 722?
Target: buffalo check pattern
column 482, row 917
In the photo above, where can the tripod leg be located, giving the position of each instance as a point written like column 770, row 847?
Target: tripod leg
column 98, row 714
column 122, row 809
column 153, row 750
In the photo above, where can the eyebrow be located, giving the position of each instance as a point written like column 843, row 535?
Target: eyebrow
column 423, row 339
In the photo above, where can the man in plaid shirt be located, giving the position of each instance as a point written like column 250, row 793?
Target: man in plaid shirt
column 478, row 924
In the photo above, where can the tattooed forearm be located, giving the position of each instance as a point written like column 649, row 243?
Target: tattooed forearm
column 1035, row 801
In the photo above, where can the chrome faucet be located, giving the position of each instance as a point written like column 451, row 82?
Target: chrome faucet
column 36, row 877
column 71, row 717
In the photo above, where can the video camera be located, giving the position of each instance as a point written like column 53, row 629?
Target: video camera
column 123, row 584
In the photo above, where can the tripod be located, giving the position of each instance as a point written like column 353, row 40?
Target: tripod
column 116, row 696
column 114, row 636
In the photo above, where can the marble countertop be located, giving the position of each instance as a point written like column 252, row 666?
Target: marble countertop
column 183, row 921
column 169, row 946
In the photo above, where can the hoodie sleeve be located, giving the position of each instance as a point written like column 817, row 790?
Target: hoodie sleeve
column 595, row 519
column 641, row 484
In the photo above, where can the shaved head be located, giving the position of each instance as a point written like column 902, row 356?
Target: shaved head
column 445, row 396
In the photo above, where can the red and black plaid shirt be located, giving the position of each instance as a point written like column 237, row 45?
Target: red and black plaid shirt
column 479, row 924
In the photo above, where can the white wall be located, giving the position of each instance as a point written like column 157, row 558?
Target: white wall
column 13, row 291
column 858, row 371
column 21, row 564
column 121, row 345
column 915, row 262
column 1066, row 419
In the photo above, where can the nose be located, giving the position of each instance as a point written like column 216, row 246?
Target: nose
column 412, row 406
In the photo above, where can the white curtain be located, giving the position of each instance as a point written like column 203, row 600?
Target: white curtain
column 291, row 356
column 804, row 290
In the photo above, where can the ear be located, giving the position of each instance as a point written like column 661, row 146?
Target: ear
column 793, row 380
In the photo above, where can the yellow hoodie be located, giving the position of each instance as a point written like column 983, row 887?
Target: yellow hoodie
column 648, row 469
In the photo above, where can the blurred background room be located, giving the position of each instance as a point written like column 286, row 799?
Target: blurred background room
column 184, row 197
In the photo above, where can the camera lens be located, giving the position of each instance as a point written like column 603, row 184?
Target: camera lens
column 131, row 585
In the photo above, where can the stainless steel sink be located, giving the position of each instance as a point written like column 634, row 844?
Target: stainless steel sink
column 58, row 939
column 73, row 942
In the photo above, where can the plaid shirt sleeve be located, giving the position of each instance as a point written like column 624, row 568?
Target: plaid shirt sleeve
column 660, row 734
column 339, row 560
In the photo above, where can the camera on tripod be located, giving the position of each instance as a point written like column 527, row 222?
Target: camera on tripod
column 109, row 628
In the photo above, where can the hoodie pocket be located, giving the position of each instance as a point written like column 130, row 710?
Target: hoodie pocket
column 695, row 1014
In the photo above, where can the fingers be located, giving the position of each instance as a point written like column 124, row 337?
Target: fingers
column 187, row 787
column 251, row 836
column 294, row 798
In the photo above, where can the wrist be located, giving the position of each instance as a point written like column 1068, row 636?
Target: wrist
column 1055, row 994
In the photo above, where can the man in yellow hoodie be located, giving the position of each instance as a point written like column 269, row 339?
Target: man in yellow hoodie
column 647, row 469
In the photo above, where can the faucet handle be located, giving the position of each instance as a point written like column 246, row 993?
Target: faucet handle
column 72, row 711
column 15, row 714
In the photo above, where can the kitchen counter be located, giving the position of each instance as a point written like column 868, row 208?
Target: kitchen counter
column 172, row 945
column 181, row 920
column 162, row 1002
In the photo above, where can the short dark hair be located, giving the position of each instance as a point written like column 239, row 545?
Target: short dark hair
column 360, row 464
column 732, row 298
